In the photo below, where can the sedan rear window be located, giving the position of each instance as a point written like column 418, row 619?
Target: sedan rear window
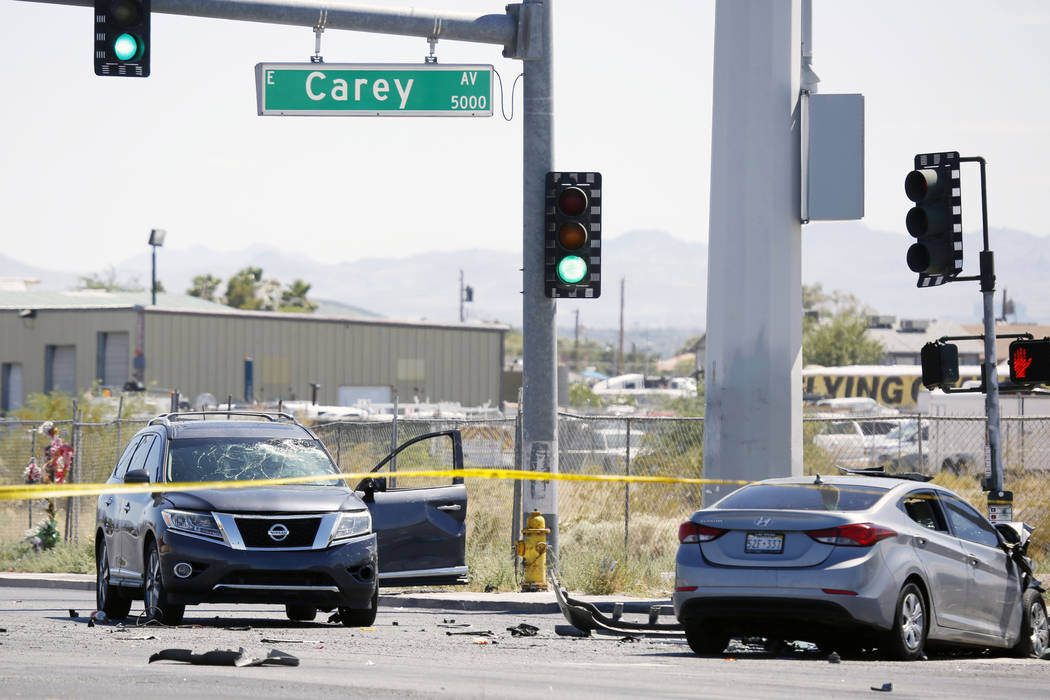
column 804, row 497
column 241, row 459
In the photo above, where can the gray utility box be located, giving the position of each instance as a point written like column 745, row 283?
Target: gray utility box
column 832, row 157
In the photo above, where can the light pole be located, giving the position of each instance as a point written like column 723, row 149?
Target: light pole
column 156, row 240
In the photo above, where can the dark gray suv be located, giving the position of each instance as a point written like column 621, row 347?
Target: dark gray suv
column 305, row 539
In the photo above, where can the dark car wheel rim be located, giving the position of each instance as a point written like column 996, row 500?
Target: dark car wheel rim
column 102, row 578
column 153, row 584
column 1040, row 633
column 912, row 621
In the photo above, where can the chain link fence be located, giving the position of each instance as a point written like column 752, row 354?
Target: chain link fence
column 612, row 536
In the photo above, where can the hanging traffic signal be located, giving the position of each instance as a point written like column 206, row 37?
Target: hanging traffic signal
column 940, row 365
column 1030, row 361
column 936, row 219
column 573, row 236
column 122, row 37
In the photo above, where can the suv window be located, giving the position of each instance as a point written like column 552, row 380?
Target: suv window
column 139, row 460
column 968, row 523
column 248, row 459
column 122, row 464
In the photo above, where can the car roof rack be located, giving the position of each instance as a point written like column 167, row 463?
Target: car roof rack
column 273, row 417
column 879, row 471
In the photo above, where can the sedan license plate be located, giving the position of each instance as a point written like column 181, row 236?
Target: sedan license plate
column 764, row 543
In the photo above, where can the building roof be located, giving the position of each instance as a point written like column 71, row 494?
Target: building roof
column 907, row 336
column 94, row 299
column 1002, row 345
column 100, row 299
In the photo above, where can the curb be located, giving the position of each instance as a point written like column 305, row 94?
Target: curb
column 478, row 602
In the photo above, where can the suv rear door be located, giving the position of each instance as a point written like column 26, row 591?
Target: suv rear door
column 420, row 521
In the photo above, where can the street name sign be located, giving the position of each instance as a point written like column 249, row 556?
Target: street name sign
column 374, row 90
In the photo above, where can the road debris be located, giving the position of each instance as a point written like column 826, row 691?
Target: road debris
column 73, row 613
column 884, row 688
column 472, row 633
column 264, row 640
column 834, row 658
column 225, row 657
column 570, row 631
column 523, row 630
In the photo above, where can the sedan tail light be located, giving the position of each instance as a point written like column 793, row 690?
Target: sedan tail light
column 853, row 535
column 693, row 533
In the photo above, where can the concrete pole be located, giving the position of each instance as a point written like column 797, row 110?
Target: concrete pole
column 753, row 366
column 539, row 424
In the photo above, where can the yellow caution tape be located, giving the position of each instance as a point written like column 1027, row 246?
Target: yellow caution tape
column 18, row 492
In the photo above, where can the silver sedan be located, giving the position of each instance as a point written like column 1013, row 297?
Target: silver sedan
column 856, row 562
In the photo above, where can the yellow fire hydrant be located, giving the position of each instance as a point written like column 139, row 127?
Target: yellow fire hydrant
column 533, row 551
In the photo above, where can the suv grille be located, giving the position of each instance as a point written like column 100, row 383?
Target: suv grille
column 266, row 532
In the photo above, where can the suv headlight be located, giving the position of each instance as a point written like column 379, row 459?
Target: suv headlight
column 197, row 523
column 351, row 525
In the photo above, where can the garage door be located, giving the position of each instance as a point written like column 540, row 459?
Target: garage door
column 62, row 368
column 114, row 351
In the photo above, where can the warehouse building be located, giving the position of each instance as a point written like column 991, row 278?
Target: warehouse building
column 69, row 341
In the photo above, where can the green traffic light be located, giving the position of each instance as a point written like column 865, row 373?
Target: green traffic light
column 572, row 269
column 125, row 47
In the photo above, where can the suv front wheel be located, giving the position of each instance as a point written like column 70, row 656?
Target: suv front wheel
column 360, row 618
column 155, row 596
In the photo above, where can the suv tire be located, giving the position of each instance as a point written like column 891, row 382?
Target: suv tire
column 154, row 594
column 360, row 618
column 300, row 613
column 108, row 598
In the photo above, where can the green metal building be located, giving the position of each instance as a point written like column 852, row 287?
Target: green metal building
column 70, row 341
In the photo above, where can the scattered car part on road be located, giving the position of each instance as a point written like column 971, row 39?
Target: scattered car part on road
column 225, row 657
column 587, row 618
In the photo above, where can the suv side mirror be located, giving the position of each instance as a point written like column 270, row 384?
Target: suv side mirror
column 371, row 485
column 137, row 476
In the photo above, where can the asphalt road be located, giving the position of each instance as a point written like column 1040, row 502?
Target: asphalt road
column 44, row 652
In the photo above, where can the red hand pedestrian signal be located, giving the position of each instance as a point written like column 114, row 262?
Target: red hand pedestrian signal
column 1030, row 361
column 1020, row 361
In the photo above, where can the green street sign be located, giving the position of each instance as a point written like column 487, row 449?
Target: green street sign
column 374, row 90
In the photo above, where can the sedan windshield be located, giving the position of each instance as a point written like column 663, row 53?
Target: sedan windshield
column 803, row 497
column 244, row 459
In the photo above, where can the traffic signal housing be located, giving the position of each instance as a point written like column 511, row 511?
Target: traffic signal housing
column 573, row 235
column 940, row 365
column 122, row 38
column 936, row 219
column 1030, row 361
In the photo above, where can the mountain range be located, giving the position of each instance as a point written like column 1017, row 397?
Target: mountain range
column 662, row 278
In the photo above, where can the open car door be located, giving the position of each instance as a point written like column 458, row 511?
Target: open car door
column 420, row 521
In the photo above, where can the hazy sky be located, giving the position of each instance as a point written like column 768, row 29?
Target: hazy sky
column 89, row 165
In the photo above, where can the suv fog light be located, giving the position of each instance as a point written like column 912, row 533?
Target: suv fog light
column 183, row 570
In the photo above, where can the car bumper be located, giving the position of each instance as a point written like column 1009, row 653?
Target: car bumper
column 343, row 575
column 852, row 592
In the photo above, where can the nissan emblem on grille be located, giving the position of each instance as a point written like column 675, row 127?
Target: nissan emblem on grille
column 278, row 532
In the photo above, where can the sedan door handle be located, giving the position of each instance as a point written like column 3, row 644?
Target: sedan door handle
column 450, row 506
column 127, row 506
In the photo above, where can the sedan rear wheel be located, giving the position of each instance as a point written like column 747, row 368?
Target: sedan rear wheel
column 108, row 598
column 908, row 637
column 705, row 639
column 1034, row 632
column 154, row 594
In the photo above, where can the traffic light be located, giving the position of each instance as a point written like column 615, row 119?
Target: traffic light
column 936, row 219
column 940, row 365
column 1030, row 361
column 573, row 236
column 122, row 37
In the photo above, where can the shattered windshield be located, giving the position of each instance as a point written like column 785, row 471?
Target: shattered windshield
column 248, row 459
